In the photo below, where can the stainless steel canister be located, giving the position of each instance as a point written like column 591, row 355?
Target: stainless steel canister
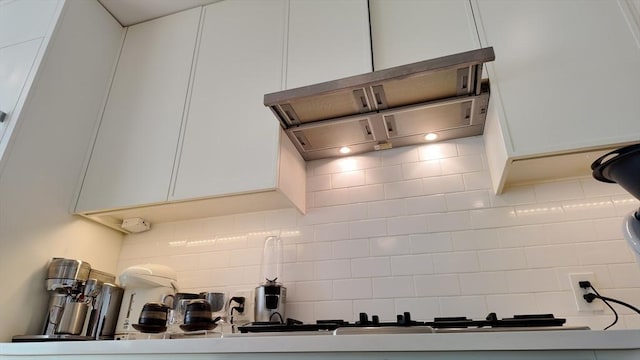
column 72, row 320
column 104, row 316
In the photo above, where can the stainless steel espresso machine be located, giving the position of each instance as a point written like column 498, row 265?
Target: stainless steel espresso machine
column 83, row 303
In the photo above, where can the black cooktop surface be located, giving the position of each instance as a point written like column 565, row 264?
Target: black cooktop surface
column 404, row 320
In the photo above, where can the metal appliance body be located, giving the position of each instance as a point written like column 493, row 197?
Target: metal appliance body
column 102, row 322
column 66, row 279
column 270, row 301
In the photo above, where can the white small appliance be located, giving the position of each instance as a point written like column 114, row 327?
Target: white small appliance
column 144, row 284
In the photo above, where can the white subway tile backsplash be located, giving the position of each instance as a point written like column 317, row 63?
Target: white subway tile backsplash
column 443, row 184
column 595, row 188
column 368, row 228
column 317, row 183
column 386, row 208
column 347, row 179
column 468, row 200
column 557, row 191
column 475, row 239
column 519, row 236
column 370, row 267
column 455, row 262
column 421, row 309
column 470, row 145
column 331, row 310
column 517, row 195
column 332, row 269
column 331, row 232
column 412, row 264
column 391, row 287
column 314, row 251
column 404, row 225
column 415, row 229
column 625, row 204
column 437, row 285
column 332, row 214
column 381, row 307
column 483, row 283
column 313, row 291
column 400, row 155
column 569, row 232
column 512, row 304
column 438, row 151
column 352, row 163
column 625, row 275
column 425, row 204
column 450, row 221
column 403, row 189
column 391, row 245
column 502, row 259
column 606, row 252
column 528, row 281
column 352, row 289
column 473, row 307
column 366, row 193
column 608, row 229
column 300, row 271
column 421, row 169
column 383, row 175
column 462, row 164
column 551, row 256
column 476, row 180
column 332, row 197
column 349, row 249
column 431, row 243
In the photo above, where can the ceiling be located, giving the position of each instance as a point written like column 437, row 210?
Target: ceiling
column 129, row 12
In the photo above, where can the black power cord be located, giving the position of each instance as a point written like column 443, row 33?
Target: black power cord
column 589, row 297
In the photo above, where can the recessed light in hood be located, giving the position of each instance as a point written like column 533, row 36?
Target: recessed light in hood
column 388, row 108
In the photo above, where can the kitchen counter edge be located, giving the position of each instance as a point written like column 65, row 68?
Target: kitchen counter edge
column 488, row 341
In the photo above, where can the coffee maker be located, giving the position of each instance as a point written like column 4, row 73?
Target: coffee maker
column 77, row 300
column 146, row 283
column 270, row 295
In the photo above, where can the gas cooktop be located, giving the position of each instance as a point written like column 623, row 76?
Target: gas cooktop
column 404, row 324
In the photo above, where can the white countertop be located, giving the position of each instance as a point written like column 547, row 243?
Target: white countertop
column 247, row 344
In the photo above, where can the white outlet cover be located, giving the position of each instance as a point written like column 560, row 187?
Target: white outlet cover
column 578, row 292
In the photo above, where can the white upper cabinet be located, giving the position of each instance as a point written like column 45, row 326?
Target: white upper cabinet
column 407, row 31
column 16, row 62
column 25, row 20
column 231, row 140
column 134, row 152
column 565, row 79
column 25, row 30
column 327, row 40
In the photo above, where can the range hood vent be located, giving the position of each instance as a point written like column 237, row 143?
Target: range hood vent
column 387, row 108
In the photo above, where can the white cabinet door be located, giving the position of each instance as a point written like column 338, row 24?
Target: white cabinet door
column 567, row 73
column 133, row 156
column 407, row 31
column 327, row 40
column 16, row 62
column 25, row 20
column 230, row 144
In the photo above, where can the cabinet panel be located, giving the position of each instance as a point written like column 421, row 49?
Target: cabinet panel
column 567, row 73
column 25, row 20
column 406, row 31
column 134, row 153
column 16, row 62
column 230, row 143
column 327, row 40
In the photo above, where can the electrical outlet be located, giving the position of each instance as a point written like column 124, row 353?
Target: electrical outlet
column 247, row 315
column 578, row 292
